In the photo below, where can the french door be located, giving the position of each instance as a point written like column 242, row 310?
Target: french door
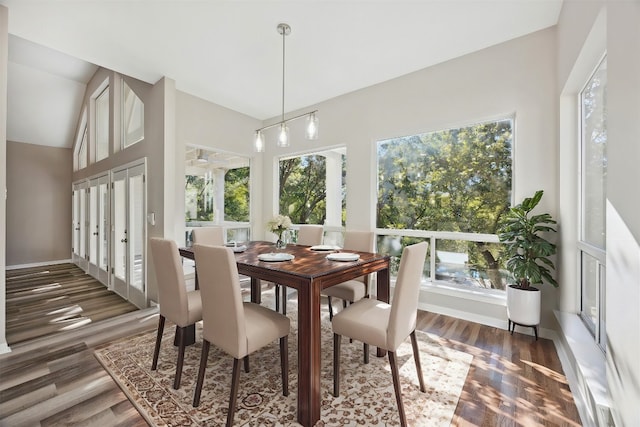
column 80, row 225
column 128, row 226
column 98, row 235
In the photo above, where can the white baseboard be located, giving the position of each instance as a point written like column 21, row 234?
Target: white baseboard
column 4, row 348
column 39, row 264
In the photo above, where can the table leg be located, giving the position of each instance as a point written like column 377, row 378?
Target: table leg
column 256, row 292
column 309, row 355
column 382, row 291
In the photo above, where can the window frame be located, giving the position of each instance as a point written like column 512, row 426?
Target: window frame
column 584, row 247
column 124, row 135
column 321, row 151
column 102, row 91
column 430, row 282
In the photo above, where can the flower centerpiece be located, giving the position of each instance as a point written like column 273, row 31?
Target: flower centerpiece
column 278, row 225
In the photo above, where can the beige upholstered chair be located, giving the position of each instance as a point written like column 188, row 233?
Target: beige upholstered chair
column 238, row 328
column 383, row 325
column 208, row 236
column 352, row 290
column 309, row 235
column 176, row 304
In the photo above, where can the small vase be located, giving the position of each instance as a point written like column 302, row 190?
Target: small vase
column 280, row 244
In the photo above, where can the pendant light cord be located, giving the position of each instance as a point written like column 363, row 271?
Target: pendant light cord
column 284, row 34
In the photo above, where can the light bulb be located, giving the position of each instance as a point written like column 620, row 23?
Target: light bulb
column 283, row 136
column 259, row 142
column 312, row 127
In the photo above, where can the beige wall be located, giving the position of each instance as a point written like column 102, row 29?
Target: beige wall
column 4, row 60
column 38, row 203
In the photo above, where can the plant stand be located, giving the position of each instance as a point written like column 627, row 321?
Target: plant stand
column 512, row 327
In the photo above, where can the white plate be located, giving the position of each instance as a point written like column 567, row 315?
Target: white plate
column 324, row 248
column 343, row 256
column 237, row 249
column 276, row 256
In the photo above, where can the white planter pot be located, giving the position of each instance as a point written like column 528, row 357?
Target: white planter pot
column 523, row 306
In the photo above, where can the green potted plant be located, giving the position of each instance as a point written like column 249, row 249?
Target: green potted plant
column 529, row 261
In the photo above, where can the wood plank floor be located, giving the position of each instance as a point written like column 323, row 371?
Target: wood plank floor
column 56, row 298
column 513, row 380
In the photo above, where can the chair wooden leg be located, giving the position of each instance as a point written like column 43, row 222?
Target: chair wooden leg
column 396, row 386
column 336, row 364
column 246, row 363
column 156, row 352
column 416, row 357
column 330, row 308
column 181, row 345
column 235, row 379
column 284, row 364
column 203, row 367
column 365, row 350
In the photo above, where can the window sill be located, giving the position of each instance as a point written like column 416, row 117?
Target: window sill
column 488, row 296
column 588, row 369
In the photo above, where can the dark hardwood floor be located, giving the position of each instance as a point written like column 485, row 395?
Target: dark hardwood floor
column 56, row 380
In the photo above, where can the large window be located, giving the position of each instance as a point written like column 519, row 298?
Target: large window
column 217, row 191
column 312, row 188
column 449, row 187
column 593, row 159
column 102, row 125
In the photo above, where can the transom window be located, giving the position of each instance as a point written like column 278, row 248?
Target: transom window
column 449, row 187
column 102, row 125
column 132, row 117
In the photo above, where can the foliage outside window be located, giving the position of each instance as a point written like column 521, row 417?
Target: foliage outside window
column 132, row 117
column 448, row 182
column 236, row 195
column 201, row 201
column 303, row 192
column 102, row 124
column 593, row 152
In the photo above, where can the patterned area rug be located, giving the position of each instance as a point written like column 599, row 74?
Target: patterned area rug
column 366, row 396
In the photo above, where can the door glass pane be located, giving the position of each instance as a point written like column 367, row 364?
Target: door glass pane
column 76, row 222
column 120, row 229
column 83, row 223
column 93, row 225
column 136, row 231
column 102, row 223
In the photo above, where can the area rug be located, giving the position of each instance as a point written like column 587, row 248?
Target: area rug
column 366, row 396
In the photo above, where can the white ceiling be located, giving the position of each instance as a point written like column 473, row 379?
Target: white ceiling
column 230, row 53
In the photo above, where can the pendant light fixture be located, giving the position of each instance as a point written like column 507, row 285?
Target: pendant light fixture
column 311, row 132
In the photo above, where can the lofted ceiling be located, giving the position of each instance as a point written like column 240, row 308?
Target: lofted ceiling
column 230, row 53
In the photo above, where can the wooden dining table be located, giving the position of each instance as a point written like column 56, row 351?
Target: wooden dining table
column 309, row 272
